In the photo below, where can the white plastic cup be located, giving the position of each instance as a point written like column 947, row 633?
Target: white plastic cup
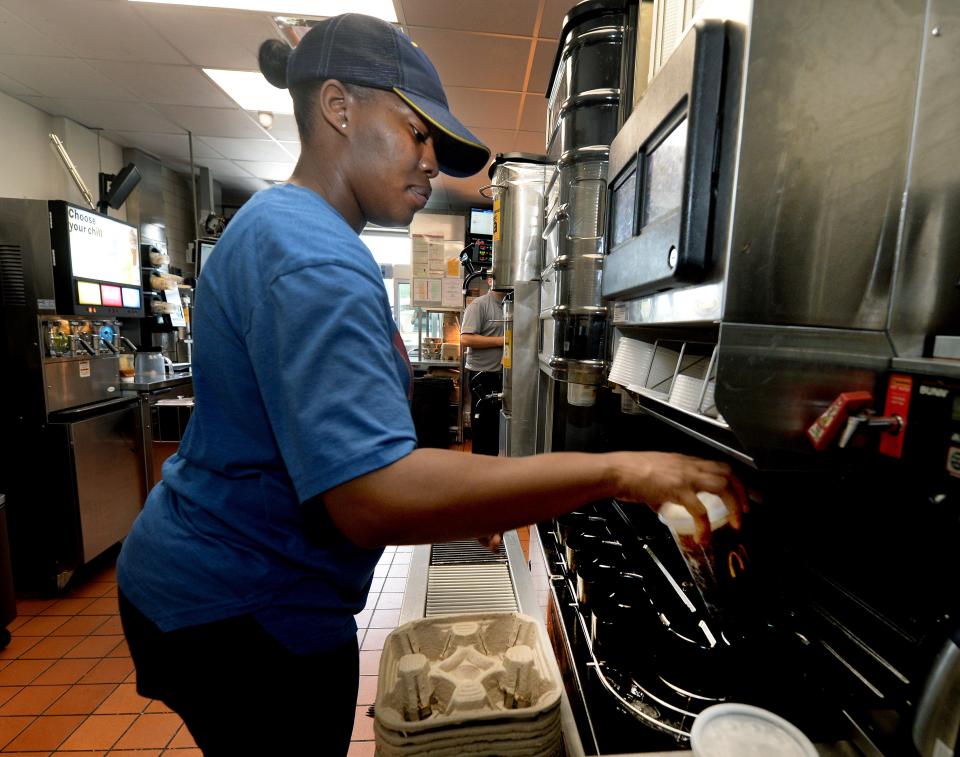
column 742, row 730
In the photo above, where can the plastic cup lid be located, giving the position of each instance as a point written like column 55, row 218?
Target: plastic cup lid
column 741, row 730
column 680, row 520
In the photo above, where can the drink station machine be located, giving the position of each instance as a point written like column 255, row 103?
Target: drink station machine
column 768, row 277
column 72, row 460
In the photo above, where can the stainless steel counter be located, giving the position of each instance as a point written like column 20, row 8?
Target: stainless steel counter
column 176, row 379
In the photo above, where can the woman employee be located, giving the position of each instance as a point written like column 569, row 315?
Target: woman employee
column 240, row 579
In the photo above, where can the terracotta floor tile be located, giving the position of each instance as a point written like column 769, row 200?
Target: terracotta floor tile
column 92, row 589
column 150, row 732
column 121, row 650
column 109, row 670
column 66, row 671
column 183, row 740
column 51, row 648
column 69, row 606
column 112, row 626
column 112, row 591
column 394, row 584
column 81, row 625
column 22, row 672
column 362, row 749
column 385, row 619
column 102, row 606
column 157, row 706
column 81, row 699
column 10, row 727
column 362, row 726
column 72, row 753
column 7, row 693
column 42, row 625
column 123, row 700
column 46, row 732
column 185, row 753
column 31, row 754
column 135, row 753
column 17, row 622
column 370, row 663
column 375, row 638
column 367, row 692
column 32, row 700
column 132, row 678
column 33, row 606
column 95, row 646
column 98, row 732
column 17, row 646
column 390, row 600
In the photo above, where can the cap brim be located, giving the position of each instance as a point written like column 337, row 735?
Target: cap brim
column 458, row 151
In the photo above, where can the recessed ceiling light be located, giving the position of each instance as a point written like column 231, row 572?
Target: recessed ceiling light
column 380, row 8
column 265, row 117
column 251, row 91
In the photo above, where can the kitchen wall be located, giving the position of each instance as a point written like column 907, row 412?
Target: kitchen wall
column 29, row 165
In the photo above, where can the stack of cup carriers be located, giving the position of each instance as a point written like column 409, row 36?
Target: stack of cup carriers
column 464, row 685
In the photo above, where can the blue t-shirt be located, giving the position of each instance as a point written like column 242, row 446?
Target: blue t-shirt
column 299, row 387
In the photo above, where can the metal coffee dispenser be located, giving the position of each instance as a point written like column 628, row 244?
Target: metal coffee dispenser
column 779, row 269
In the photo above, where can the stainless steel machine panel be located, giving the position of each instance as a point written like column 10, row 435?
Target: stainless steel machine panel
column 109, row 483
column 826, row 118
column 80, row 381
column 926, row 299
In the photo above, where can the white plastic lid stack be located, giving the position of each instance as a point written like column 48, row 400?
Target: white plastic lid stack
column 681, row 521
column 741, row 730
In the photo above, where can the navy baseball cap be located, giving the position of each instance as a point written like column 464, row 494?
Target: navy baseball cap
column 369, row 52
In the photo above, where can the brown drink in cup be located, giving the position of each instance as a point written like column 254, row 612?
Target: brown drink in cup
column 717, row 567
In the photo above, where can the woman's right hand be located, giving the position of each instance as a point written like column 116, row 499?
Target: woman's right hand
column 654, row 478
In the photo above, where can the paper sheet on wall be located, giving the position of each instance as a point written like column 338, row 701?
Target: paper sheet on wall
column 452, row 293
column 436, row 261
column 427, row 292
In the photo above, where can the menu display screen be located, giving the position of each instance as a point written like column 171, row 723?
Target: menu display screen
column 102, row 249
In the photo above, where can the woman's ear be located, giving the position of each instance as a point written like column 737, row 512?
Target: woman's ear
column 333, row 105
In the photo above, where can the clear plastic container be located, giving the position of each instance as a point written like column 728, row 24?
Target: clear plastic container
column 718, row 567
column 149, row 365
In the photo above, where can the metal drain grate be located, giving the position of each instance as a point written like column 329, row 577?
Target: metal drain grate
column 465, row 577
column 467, row 552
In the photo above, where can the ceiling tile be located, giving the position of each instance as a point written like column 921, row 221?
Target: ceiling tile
column 479, row 109
column 269, row 170
column 534, row 114
column 111, row 115
column 553, row 13
column 465, row 193
column 96, row 29
column 16, row 89
column 212, row 38
column 165, row 85
column 530, row 141
column 213, row 122
column 221, row 168
column 503, row 16
column 17, row 37
column 474, row 60
column 284, row 126
column 248, row 149
column 248, row 185
column 165, row 145
column 542, row 67
column 498, row 140
column 61, row 77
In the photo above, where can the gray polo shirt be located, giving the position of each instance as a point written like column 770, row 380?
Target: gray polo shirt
column 484, row 317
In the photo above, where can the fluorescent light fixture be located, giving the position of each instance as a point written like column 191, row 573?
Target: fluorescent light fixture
column 310, row 8
column 251, row 91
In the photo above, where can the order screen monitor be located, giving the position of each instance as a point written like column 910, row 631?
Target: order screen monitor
column 204, row 249
column 481, row 222
column 96, row 263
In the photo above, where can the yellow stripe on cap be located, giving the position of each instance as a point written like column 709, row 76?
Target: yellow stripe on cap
column 441, row 127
